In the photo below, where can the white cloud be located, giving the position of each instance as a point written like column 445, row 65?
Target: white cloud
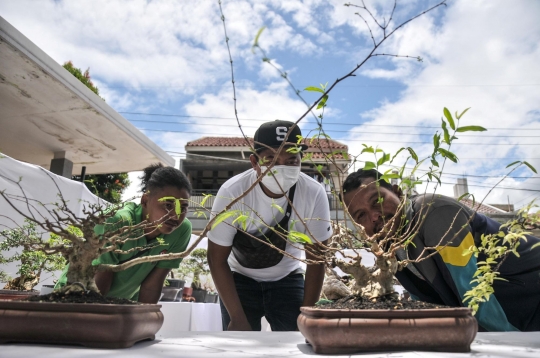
column 274, row 102
column 484, row 56
column 177, row 45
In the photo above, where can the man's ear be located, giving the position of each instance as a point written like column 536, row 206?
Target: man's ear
column 254, row 159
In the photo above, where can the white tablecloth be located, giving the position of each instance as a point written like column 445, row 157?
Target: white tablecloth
column 267, row 344
column 186, row 316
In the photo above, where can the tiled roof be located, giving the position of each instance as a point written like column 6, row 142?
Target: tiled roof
column 241, row 142
column 482, row 208
column 319, row 155
column 219, row 142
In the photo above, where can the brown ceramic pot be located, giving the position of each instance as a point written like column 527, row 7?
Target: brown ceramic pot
column 16, row 295
column 333, row 331
column 91, row 325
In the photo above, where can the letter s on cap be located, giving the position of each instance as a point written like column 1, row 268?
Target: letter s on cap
column 281, row 133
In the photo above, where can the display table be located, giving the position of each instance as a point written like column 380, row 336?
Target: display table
column 268, row 344
column 180, row 317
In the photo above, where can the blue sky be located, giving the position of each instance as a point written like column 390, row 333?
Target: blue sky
column 168, row 59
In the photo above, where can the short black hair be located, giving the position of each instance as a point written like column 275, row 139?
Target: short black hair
column 157, row 176
column 354, row 180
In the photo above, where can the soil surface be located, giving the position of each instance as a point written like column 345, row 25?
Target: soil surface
column 80, row 297
column 381, row 303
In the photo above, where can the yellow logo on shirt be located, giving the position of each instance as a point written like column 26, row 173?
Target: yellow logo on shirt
column 454, row 255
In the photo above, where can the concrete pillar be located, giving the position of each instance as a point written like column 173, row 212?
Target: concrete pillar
column 62, row 165
column 461, row 187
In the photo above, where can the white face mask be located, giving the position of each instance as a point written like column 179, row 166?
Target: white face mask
column 285, row 175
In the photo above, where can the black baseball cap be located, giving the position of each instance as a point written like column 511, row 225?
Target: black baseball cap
column 272, row 134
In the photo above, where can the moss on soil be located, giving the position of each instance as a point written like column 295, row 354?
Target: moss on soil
column 381, row 303
column 80, row 297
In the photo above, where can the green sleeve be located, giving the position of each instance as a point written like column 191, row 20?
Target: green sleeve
column 178, row 242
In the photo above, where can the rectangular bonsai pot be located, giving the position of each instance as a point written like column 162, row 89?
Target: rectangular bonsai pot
column 335, row 331
column 90, row 325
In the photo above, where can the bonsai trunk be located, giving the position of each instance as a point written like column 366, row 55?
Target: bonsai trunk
column 80, row 274
column 372, row 282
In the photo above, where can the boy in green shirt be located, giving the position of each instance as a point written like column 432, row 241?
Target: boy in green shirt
column 162, row 187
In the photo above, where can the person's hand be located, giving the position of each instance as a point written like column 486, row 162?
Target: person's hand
column 239, row 325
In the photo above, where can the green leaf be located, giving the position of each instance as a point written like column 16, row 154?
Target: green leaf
column 323, row 302
column 369, row 165
column 367, row 150
column 206, row 196
column 395, row 155
column 294, row 150
column 313, row 89
column 463, row 196
column 200, row 213
column 434, row 162
column 224, row 216
column 458, row 116
column 322, row 102
column 446, row 133
column 530, row 167
column 449, row 118
column 383, row 159
column 279, row 208
column 413, row 154
column 436, row 177
column 535, row 245
column 513, row 163
column 471, row 129
column 256, row 41
column 436, row 140
column 447, row 154
column 242, row 219
column 298, row 237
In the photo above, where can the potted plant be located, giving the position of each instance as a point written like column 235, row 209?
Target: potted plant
column 119, row 323
column 196, row 265
column 211, row 295
column 31, row 264
column 172, row 289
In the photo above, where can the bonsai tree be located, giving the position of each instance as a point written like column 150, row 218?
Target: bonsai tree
column 75, row 239
column 195, row 264
column 31, row 263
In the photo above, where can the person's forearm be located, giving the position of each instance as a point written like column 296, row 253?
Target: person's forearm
column 224, row 281
column 149, row 295
column 151, row 287
column 313, row 284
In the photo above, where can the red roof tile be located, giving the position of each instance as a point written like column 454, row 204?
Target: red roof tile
column 241, row 142
column 219, row 142
column 482, row 208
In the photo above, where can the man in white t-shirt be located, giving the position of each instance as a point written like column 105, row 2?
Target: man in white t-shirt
column 253, row 279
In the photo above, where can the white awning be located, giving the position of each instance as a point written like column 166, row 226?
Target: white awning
column 44, row 110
